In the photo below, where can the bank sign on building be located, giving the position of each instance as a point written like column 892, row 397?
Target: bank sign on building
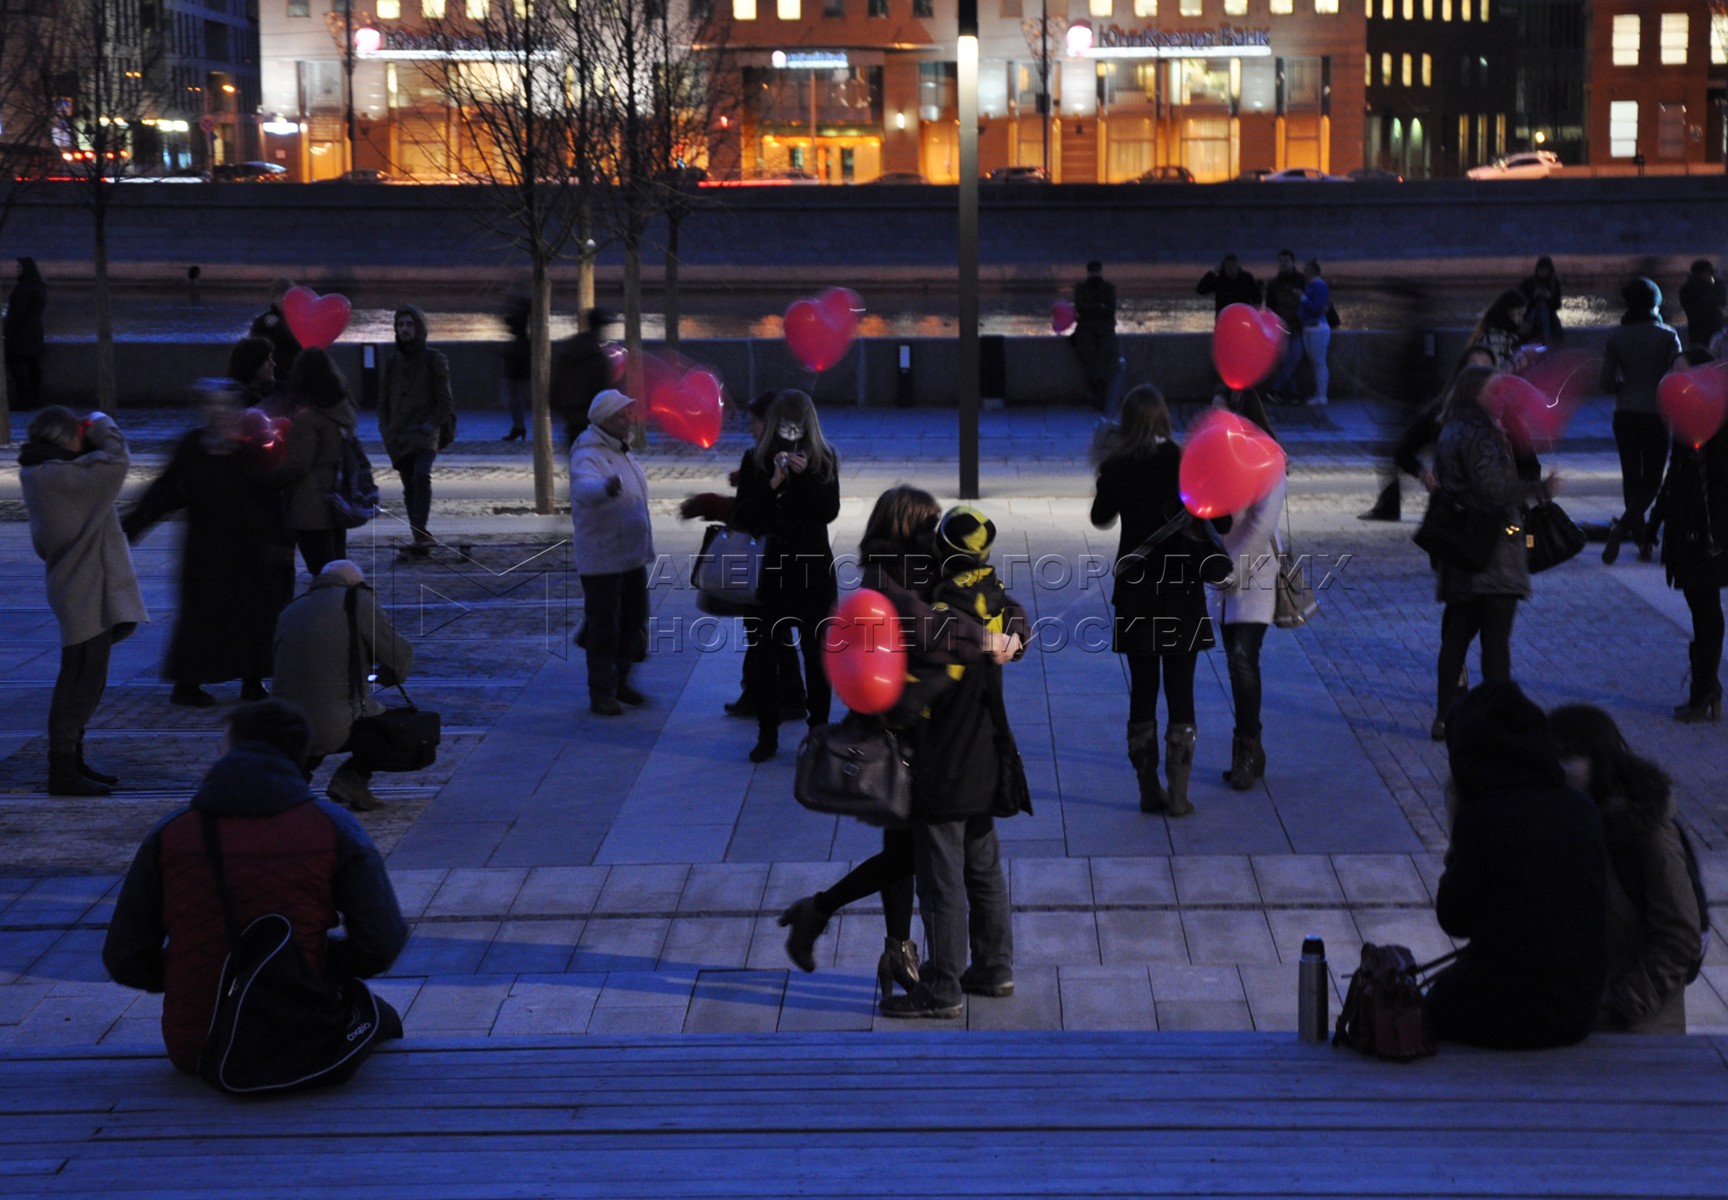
column 846, row 91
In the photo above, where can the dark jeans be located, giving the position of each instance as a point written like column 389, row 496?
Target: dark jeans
column 762, row 680
column 1642, row 440
column 964, row 899
column 78, row 690
column 888, row 874
column 23, row 380
column 1284, row 381
column 1242, row 653
column 614, row 627
column 1097, row 351
column 415, row 471
column 1178, row 672
column 1707, row 630
column 321, row 546
column 1489, row 617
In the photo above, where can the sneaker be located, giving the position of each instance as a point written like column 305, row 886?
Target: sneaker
column 344, row 788
column 1375, row 514
column 920, row 1005
column 975, row 982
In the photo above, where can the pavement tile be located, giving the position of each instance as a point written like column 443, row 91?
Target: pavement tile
column 558, row 891
column 1416, row 929
column 1172, row 982
column 1306, row 879
column 693, row 942
column 1204, row 1015
column 1055, row 939
column 1380, row 879
column 415, row 887
column 724, row 888
column 1335, row 926
column 1228, row 936
column 1050, row 882
column 532, row 948
column 71, row 1020
column 477, row 892
column 547, row 1005
column 648, row 989
column 17, row 999
column 1705, row 1010
column 1132, row 881
column 633, row 888
column 1035, row 1004
column 457, row 1005
column 445, row 948
column 789, row 881
column 736, row 1002
column 621, row 944
column 1215, row 879
column 57, row 900
column 1128, row 936
column 1106, row 998
column 75, row 956
column 828, row 1002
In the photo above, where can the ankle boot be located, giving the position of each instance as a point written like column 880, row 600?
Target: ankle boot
column 1238, row 762
column 805, row 923
column 90, row 772
column 898, row 965
column 767, row 743
column 65, row 780
column 1704, row 697
column 1178, row 762
column 1143, row 753
column 1254, row 764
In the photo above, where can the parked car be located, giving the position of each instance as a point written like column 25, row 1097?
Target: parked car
column 250, row 172
column 166, row 177
column 1170, row 174
column 1303, row 175
column 1529, row 164
column 1375, row 175
column 358, row 175
column 1252, row 175
column 899, row 177
column 1017, row 175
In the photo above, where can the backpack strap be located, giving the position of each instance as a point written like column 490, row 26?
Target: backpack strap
column 213, row 851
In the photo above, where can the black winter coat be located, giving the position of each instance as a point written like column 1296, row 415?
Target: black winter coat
column 1475, row 466
column 1225, row 291
column 798, row 562
column 236, row 563
column 1653, row 921
column 1159, row 600
column 1693, row 504
column 23, row 328
column 1525, row 882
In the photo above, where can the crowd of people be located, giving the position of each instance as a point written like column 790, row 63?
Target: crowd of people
column 1554, row 805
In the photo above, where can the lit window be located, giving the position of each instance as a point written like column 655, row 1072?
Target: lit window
column 1385, row 68
column 1367, row 70
column 1103, row 8
column 1235, row 8
column 1625, row 42
column 1445, row 10
column 1427, row 70
column 1719, row 39
column 1385, row 10
column 1675, row 29
column 1325, row 6
column 1282, row 8
column 1482, row 11
column 1189, row 8
column 788, row 10
column 389, row 10
column 1409, row 10
column 477, row 9
column 1405, row 72
column 1463, row 10
column 1622, row 128
column 1149, row 8
column 1427, row 10
column 743, row 10
column 432, row 10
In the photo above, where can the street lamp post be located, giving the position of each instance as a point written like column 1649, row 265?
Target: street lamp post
column 966, row 71
column 1038, row 32
column 348, row 90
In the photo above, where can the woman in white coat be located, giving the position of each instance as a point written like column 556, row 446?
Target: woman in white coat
column 1243, row 608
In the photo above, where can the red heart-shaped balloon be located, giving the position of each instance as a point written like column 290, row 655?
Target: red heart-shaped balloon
column 863, row 655
column 689, row 408
column 1227, row 465
column 1531, row 418
column 841, row 308
column 813, row 338
column 1694, row 403
column 1062, row 316
column 315, row 320
column 617, row 361
column 1246, row 344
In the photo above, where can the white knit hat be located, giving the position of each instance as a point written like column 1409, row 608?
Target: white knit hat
column 606, row 404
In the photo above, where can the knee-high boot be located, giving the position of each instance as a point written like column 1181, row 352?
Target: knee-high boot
column 1143, row 753
column 1178, row 762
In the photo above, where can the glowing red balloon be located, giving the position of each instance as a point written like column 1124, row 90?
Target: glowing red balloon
column 1246, row 344
column 314, row 320
column 690, row 408
column 1531, row 419
column 863, row 655
column 1062, row 316
column 256, row 429
column 617, row 361
column 1694, row 403
column 1227, row 465
column 841, row 308
column 818, row 336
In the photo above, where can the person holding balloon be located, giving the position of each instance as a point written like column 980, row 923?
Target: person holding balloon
column 237, row 558
column 323, row 414
column 1161, row 623
column 1243, row 607
column 789, row 493
column 1476, row 467
column 1693, row 502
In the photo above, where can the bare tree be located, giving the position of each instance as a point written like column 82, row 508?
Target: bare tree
column 519, row 87
column 96, row 98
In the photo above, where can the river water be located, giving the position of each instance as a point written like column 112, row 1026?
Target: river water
column 180, row 314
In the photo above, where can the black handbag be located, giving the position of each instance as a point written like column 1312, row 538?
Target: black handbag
column 277, row 1026
column 1550, row 536
column 856, row 768
column 397, row 739
column 1013, row 793
column 1456, row 536
column 727, row 571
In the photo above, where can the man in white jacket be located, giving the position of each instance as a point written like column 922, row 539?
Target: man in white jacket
column 614, row 545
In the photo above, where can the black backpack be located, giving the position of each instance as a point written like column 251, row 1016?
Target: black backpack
column 354, row 495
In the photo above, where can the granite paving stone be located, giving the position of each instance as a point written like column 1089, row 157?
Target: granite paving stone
column 1055, row 939
column 532, row 947
column 1132, row 881
column 484, row 891
column 1380, row 879
column 1050, row 882
column 1141, row 936
column 1228, row 936
column 1215, row 879
column 547, row 1005
column 1035, row 1004
column 457, row 1005
column 557, row 891
column 642, row 888
column 1286, row 879
column 736, row 1002
column 1106, row 998
column 621, row 944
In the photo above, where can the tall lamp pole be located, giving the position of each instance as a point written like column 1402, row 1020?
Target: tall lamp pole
column 348, row 66
column 967, row 78
column 1044, row 75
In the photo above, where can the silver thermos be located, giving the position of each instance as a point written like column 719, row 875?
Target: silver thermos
column 1312, row 992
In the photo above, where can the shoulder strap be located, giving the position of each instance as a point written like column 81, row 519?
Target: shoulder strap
column 356, row 660
column 1169, row 529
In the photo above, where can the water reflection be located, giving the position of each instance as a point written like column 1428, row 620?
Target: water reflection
column 467, row 315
